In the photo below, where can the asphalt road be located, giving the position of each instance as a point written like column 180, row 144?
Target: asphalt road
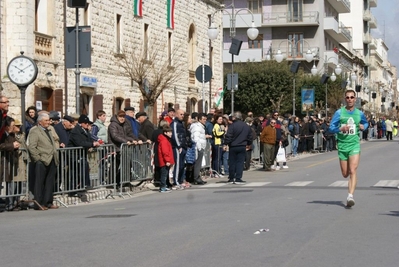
column 214, row 225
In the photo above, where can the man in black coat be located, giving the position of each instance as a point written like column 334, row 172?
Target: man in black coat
column 63, row 130
column 239, row 139
column 146, row 127
column 81, row 137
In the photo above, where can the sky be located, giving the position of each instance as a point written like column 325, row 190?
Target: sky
column 387, row 13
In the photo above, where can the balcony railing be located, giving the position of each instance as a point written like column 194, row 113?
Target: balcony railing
column 344, row 30
column 43, row 45
column 292, row 18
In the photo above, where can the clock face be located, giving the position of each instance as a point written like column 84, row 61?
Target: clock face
column 22, row 70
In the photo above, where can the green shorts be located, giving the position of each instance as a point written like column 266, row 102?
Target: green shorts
column 344, row 154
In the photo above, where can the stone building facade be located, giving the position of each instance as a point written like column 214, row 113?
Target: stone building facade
column 37, row 27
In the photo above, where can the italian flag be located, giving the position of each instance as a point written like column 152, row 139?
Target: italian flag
column 138, row 8
column 170, row 16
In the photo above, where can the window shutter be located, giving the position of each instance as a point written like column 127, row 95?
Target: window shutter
column 200, row 110
column 127, row 102
column 97, row 104
column 141, row 108
column 188, row 106
column 113, row 106
column 58, row 93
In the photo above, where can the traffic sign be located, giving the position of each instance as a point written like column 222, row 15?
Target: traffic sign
column 208, row 73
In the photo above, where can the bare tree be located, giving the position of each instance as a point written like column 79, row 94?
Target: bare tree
column 277, row 104
column 152, row 69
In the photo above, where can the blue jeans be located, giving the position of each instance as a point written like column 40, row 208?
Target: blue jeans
column 294, row 144
column 236, row 162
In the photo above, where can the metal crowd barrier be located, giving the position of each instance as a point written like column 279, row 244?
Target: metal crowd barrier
column 13, row 177
column 135, row 165
column 78, row 171
column 318, row 142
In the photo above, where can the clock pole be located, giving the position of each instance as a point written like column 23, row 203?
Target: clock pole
column 23, row 90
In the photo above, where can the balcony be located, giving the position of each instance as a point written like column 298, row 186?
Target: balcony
column 367, row 38
column 373, row 22
column 43, row 46
column 331, row 58
column 371, row 63
column 373, row 3
column 255, row 55
column 337, row 31
column 287, row 19
column 341, row 6
column 373, row 44
column 242, row 20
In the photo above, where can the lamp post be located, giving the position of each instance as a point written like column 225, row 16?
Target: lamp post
column 252, row 33
column 279, row 58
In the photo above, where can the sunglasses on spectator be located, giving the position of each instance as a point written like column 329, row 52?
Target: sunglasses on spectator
column 273, row 122
column 350, row 97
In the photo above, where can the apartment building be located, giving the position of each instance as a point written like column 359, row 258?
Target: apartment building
column 335, row 31
column 173, row 34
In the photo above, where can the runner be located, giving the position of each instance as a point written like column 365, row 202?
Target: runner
column 347, row 122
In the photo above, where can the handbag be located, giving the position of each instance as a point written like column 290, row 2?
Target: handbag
column 281, row 155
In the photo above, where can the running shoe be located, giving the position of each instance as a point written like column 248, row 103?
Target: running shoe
column 285, row 167
column 350, row 202
column 239, row 182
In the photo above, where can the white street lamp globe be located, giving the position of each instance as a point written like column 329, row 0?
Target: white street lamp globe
column 338, row 69
column 279, row 56
column 309, row 56
column 268, row 57
column 365, row 81
column 353, row 77
column 314, row 70
column 381, row 90
column 213, row 32
column 333, row 77
column 252, row 32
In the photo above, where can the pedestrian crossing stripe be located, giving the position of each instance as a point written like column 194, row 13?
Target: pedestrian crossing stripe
column 339, row 184
column 387, row 183
column 301, row 183
column 257, row 184
column 213, row 185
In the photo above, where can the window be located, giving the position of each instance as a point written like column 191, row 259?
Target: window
column 118, row 34
column 118, row 104
column 255, row 6
column 41, row 16
column 257, row 43
column 46, row 96
column 86, row 15
column 170, row 48
column 146, row 40
column 192, row 42
column 295, row 45
column 295, row 10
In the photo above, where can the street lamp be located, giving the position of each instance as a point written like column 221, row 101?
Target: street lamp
column 333, row 78
column 308, row 57
column 252, row 33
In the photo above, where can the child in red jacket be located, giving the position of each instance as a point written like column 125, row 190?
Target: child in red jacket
column 165, row 156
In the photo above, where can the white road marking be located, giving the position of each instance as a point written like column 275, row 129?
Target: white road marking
column 257, row 184
column 340, row 184
column 300, row 183
column 387, row 183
